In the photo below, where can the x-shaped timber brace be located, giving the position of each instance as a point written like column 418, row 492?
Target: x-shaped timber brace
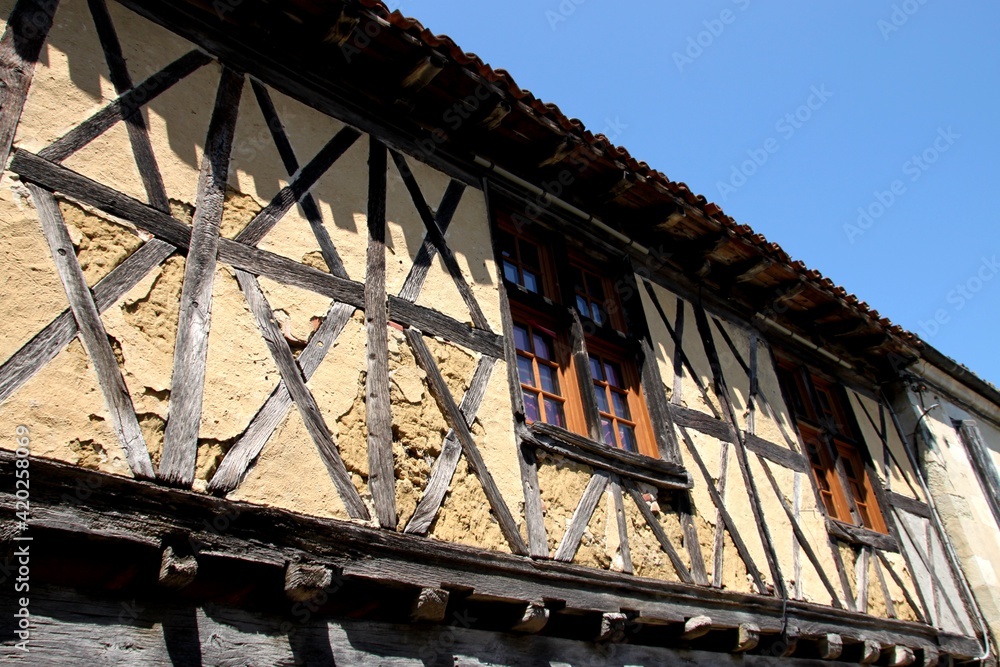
column 204, row 246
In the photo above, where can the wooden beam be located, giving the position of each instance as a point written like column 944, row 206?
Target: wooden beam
column 244, row 453
column 428, row 250
column 661, row 536
column 259, row 262
column 622, row 523
column 890, row 606
column 695, row 627
column 585, row 380
column 293, row 193
column 747, row 637
column 47, row 343
column 701, row 422
column 124, row 106
column 861, row 567
column 378, row 405
column 861, row 536
column 291, row 163
column 918, row 610
column 900, row 656
column 612, row 628
column 436, row 236
column 451, row 450
column 728, row 412
column 135, row 124
column 95, row 338
column 295, row 384
column 871, row 651
column 534, row 619
column 27, row 27
column 439, row 389
column 305, row 581
column 830, row 646
column 180, row 436
column 581, row 517
column 430, row 606
column 176, row 570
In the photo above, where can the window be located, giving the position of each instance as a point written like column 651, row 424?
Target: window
column 544, row 286
column 829, row 436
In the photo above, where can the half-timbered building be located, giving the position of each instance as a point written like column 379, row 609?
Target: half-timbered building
column 325, row 343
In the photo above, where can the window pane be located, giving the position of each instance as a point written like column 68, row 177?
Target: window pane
column 530, row 281
column 524, row 371
column 549, row 378
column 596, row 370
column 521, row 340
column 531, row 407
column 554, row 412
column 543, row 347
column 510, row 272
column 609, row 432
column 613, row 374
column 621, row 405
column 602, row 399
column 578, row 280
column 627, row 436
column 582, row 306
column 529, row 255
column 596, row 313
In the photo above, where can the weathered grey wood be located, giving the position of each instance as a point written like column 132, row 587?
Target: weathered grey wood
column 533, row 620
column 890, row 606
column 871, row 651
column 47, row 343
column 187, row 384
column 430, row 606
column 378, row 406
column 861, row 577
column 861, row 536
column 439, row 389
column 800, row 535
column 695, row 627
column 776, row 453
column 656, row 401
column 259, row 262
column 299, row 187
column 307, row 202
column 305, row 581
column 27, row 27
column 701, row 422
column 428, row 250
column 900, row 656
column 679, row 345
column 585, row 379
column 621, row 521
column 436, row 236
column 728, row 413
column 95, row 338
column 982, row 463
column 135, row 124
column 538, row 541
column 121, row 508
column 917, row 609
column 720, row 505
column 581, row 517
column 718, row 542
column 677, row 397
column 127, row 104
column 685, row 515
column 830, row 646
column 295, row 383
column 74, row 629
column 244, row 453
column 633, row 466
column 747, row 637
column 176, row 570
column 451, row 450
column 755, row 394
column 612, row 627
column 661, row 535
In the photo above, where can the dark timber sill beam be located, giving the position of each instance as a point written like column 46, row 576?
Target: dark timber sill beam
column 134, row 511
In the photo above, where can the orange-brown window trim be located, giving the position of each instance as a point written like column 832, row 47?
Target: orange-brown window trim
column 829, row 434
column 623, row 408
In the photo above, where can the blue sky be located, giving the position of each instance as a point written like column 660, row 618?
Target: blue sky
column 792, row 117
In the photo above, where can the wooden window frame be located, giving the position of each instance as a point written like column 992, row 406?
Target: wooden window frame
column 551, row 311
column 830, row 430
